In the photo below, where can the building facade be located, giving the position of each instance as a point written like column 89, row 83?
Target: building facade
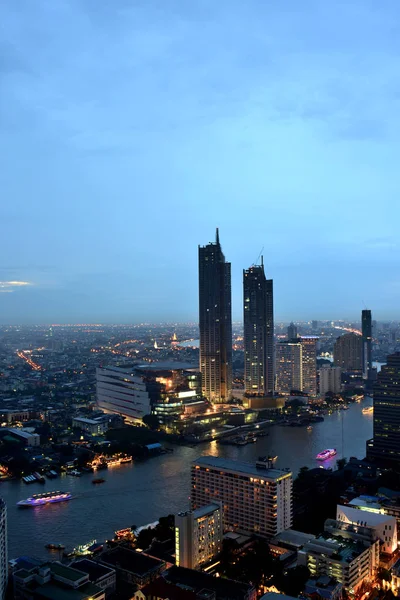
column 121, row 391
column 3, row 549
column 309, row 362
column 254, row 498
column 366, row 330
column 292, row 332
column 347, row 352
column 385, row 445
column 215, row 322
column 198, row 536
column 383, row 527
column 330, row 380
column 289, row 367
column 96, row 426
column 258, row 321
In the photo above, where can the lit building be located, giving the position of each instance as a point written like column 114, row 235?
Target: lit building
column 198, row 536
column 96, row 426
column 258, row 332
column 215, row 321
column 120, row 391
column 254, row 498
column 309, row 362
column 330, row 379
column 347, row 352
column 385, row 445
column 3, row 549
column 292, row 332
column 366, row 329
column 289, row 367
column 383, row 527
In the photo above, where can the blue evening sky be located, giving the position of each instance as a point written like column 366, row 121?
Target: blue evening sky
column 130, row 129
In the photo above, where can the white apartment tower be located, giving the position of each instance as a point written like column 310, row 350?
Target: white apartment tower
column 330, row 380
column 122, row 392
column 254, row 498
column 198, row 536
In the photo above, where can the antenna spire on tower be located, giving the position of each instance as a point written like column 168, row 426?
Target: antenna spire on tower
column 217, row 236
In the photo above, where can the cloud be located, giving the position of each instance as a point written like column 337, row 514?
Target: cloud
column 6, row 287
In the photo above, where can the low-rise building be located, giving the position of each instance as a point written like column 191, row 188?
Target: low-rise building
column 212, row 588
column 323, row 588
column 133, row 567
column 198, row 536
column 96, row 426
column 100, row 575
column 26, row 438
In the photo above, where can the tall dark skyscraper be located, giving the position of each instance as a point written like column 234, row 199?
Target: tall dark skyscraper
column 291, row 332
column 215, row 320
column 386, row 442
column 258, row 332
column 366, row 330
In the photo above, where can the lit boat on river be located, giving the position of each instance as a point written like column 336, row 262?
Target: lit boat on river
column 46, row 498
column 325, row 454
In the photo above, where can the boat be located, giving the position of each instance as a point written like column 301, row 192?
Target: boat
column 309, row 428
column 98, row 480
column 126, row 459
column 38, row 477
column 53, row 546
column 75, row 473
column 29, row 479
column 46, row 498
column 83, row 549
column 96, row 547
column 325, row 454
column 101, row 465
column 51, row 474
column 368, row 409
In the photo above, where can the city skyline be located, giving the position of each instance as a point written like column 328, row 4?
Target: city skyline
column 297, row 124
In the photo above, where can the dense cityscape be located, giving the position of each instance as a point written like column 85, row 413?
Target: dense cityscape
column 82, row 403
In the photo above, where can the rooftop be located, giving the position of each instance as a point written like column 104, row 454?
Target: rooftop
column 91, row 568
column 52, row 591
column 130, row 560
column 362, row 517
column 240, row 467
column 66, row 572
column 196, row 581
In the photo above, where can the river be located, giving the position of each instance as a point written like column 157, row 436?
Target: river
column 139, row 493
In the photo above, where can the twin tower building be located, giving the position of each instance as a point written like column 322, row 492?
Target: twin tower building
column 215, row 320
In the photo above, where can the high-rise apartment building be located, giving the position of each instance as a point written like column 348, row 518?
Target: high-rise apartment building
column 215, row 321
column 289, row 367
column 330, row 380
column 254, row 498
column 3, row 550
column 258, row 332
column 385, row 445
column 122, row 392
column 198, row 536
column 309, row 360
column 292, row 332
column 366, row 330
column 347, row 352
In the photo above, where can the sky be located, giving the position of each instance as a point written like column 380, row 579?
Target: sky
column 131, row 129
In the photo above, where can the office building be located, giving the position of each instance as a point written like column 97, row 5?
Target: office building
column 254, row 498
column 292, row 332
column 96, row 426
column 258, row 332
column 347, row 352
column 330, row 380
column 383, row 527
column 120, row 391
column 215, row 321
column 385, row 445
column 3, row 550
column 309, row 364
column 198, row 536
column 289, row 367
column 26, row 438
column 366, row 330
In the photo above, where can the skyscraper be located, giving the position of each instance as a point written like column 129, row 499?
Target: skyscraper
column 386, row 441
column 258, row 331
column 292, row 332
column 366, row 329
column 309, row 359
column 347, row 352
column 198, row 536
column 3, row 549
column 289, row 367
column 215, row 320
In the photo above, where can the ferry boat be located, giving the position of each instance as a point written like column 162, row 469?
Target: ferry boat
column 98, row 480
column 309, row 428
column 83, row 549
column 325, row 454
column 368, row 409
column 46, row 498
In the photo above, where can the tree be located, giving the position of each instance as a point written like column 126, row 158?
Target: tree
column 341, row 463
column 151, row 421
column 292, row 581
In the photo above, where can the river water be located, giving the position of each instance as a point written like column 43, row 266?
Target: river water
column 139, row 493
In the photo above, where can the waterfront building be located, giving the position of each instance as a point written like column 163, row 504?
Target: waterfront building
column 198, row 536
column 385, row 445
column 383, row 527
column 309, row 364
column 215, row 322
column 335, row 554
column 120, row 391
column 330, row 380
column 366, row 329
column 258, row 321
column 254, row 498
column 347, row 352
column 292, row 332
column 3, row 550
column 96, row 426
column 289, row 367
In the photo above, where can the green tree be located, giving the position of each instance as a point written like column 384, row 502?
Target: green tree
column 292, row 581
column 151, row 421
